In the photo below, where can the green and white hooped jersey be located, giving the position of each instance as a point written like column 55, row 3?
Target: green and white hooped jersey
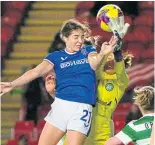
column 138, row 131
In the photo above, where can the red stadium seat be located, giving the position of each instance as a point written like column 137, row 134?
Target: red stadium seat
column 142, row 37
column 15, row 142
column 3, row 50
column 122, row 108
column 141, row 74
column 151, row 41
column 142, row 33
column 24, row 128
column 12, row 142
column 25, row 125
column 93, row 23
column 9, row 21
column 83, row 6
column 33, row 142
column 146, row 5
column 143, row 82
column 144, row 20
column 14, row 14
column 148, row 53
column 150, row 45
column 136, row 49
column 151, row 38
column 117, row 116
column 6, row 34
column 119, row 125
column 82, row 13
column 147, row 12
column 40, row 126
column 128, row 37
column 142, row 28
column 18, row 5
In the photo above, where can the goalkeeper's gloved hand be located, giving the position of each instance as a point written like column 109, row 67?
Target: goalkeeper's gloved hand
column 117, row 26
column 119, row 29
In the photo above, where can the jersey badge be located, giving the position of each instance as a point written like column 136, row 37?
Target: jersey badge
column 109, row 87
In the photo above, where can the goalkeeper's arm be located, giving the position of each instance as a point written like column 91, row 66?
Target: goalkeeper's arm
column 122, row 76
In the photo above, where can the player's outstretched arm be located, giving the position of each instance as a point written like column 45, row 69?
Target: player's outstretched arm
column 107, row 47
column 30, row 75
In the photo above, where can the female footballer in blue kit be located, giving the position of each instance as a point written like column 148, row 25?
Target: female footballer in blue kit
column 75, row 67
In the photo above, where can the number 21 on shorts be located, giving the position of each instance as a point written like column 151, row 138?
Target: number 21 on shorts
column 86, row 117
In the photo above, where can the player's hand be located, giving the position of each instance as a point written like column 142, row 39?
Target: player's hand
column 97, row 40
column 108, row 47
column 5, row 87
column 119, row 29
column 117, row 26
column 50, row 83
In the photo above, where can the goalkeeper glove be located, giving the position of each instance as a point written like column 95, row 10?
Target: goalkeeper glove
column 119, row 29
column 117, row 25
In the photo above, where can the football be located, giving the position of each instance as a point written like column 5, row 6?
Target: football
column 105, row 13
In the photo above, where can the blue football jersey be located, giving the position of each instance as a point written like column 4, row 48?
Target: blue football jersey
column 75, row 78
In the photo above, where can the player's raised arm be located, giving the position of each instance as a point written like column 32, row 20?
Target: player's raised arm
column 30, row 75
column 107, row 47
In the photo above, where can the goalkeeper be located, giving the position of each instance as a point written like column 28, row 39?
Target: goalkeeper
column 113, row 81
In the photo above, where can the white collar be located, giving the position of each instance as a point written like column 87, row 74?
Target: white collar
column 70, row 52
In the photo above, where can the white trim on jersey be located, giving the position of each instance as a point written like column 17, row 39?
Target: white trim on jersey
column 123, row 137
column 70, row 52
column 49, row 61
column 93, row 52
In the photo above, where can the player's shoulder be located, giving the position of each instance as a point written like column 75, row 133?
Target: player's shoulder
column 88, row 49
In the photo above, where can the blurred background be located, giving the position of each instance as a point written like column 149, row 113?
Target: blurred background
column 30, row 30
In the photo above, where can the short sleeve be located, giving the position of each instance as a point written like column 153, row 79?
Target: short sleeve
column 90, row 49
column 50, row 58
column 127, row 135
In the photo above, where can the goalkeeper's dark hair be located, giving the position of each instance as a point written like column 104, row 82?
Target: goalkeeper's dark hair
column 127, row 57
column 72, row 25
column 145, row 97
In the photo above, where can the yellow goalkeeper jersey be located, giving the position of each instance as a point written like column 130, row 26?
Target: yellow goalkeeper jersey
column 111, row 89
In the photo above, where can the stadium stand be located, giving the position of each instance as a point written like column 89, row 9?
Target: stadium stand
column 23, row 128
column 12, row 142
column 27, row 32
